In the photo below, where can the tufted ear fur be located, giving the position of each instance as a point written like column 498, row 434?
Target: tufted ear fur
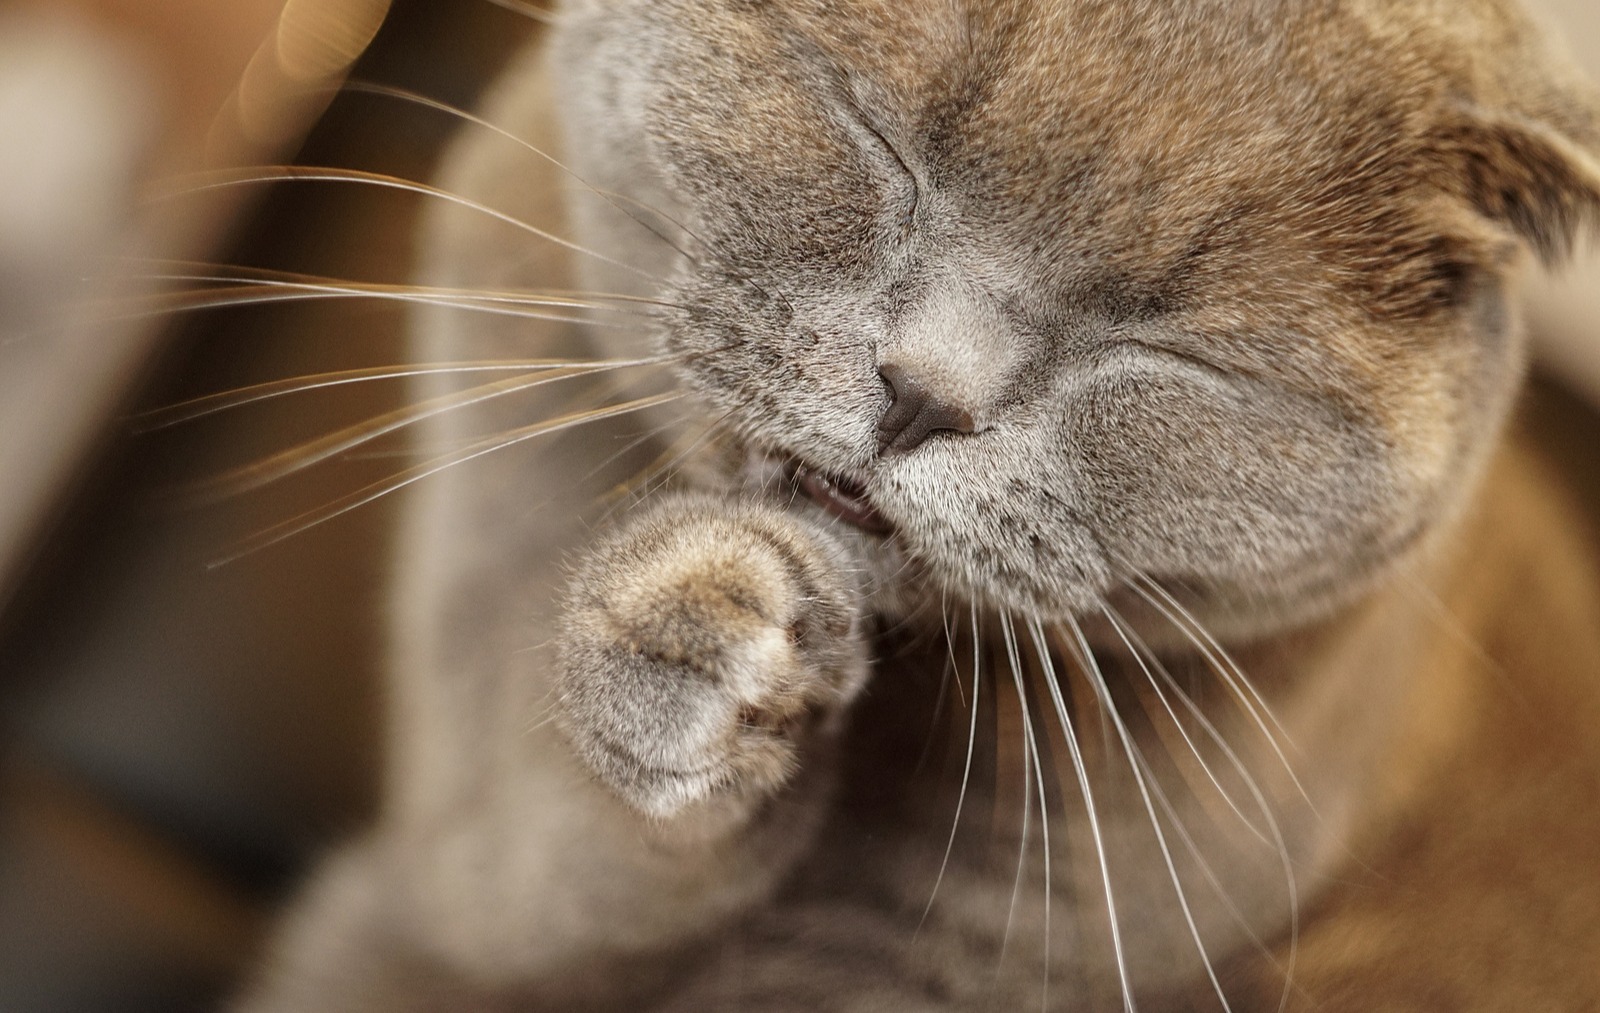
column 1525, row 175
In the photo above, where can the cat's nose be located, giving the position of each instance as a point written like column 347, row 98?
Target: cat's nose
column 915, row 413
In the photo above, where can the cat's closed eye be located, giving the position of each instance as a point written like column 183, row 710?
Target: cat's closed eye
column 902, row 185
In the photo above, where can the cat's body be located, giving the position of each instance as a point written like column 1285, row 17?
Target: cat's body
column 1196, row 315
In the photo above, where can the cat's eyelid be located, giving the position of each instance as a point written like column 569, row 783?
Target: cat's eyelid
column 878, row 132
column 1172, row 350
column 910, row 213
column 863, row 118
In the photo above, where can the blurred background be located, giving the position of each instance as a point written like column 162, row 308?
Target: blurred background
column 178, row 738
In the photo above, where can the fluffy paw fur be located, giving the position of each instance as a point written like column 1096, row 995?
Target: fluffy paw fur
column 703, row 644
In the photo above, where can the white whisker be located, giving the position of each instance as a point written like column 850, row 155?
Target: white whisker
column 311, row 518
column 269, row 293
column 532, row 12
column 211, row 404
column 1136, row 765
column 949, row 641
column 1082, row 772
column 1227, row 670
column 1451, row 624
column 239, row 274
column 1029, row 773
column 1127, row 637
column 1213, row 648
column 941, row 696
column 444, row 107
column 966, row 772
column 1038, row 769
column 657, row 475
column 1141, row 652
column 286, row 462
column 322, row 174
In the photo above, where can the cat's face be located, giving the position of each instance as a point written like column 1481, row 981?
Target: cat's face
column 1219, row 289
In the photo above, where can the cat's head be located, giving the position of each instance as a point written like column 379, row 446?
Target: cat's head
column 1215, row 291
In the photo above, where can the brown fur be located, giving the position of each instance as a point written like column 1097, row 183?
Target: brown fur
column 1472, row 882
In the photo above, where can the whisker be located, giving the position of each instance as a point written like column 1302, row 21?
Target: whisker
column 949, row 639
column 548, row 711
column 966, row 772
column 609, row 197
column 661, row 472
column 275, row 293
column 658, row 475
column 1141, row 651
column 211, row 404
column 1029, row 760
column 941, row 697
column 1082, row 772
column 286, row 462
column 1211, row 645
column 311, row 518
column 1038, row 769
column 405, row 95
column 658, row 472
column 663, row 460
column 202, row 271
column 1135, row 764
column 532, row 12
column 1205, row 867
column 1452, row 624
column 736, row 275
column 1203, row 641
column 324, row 174
column 260, row 293
column 1127, row 637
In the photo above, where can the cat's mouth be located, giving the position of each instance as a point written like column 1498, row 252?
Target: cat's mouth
column 841, row 496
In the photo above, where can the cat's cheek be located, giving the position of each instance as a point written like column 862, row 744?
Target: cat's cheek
column 1251, row 492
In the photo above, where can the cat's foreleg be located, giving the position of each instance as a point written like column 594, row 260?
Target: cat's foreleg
column 704, row 653
column 707, row 645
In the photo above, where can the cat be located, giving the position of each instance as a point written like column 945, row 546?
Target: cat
column 1017, row 513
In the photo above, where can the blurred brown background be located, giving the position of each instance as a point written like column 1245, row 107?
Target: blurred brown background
column 179, row 739
column 1566, row 309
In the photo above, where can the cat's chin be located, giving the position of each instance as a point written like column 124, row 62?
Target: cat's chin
column 900, row 583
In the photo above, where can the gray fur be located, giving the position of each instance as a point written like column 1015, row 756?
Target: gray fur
column 1219, row 294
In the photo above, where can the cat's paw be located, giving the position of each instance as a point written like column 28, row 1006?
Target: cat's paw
column 702, row 644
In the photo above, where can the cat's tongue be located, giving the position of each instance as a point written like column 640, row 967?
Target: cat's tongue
column 843, row 498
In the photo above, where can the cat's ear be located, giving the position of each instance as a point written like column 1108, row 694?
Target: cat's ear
column 1529, row 176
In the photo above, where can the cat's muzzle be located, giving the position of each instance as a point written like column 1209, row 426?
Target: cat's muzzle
column 785, row 476
column 842, row 497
